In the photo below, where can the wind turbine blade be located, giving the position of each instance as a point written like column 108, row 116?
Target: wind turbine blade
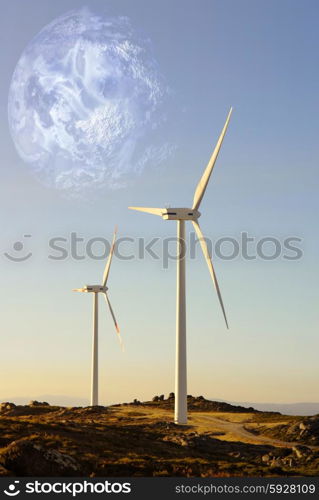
column 77, row 289
column 210, row 265
column 154, row 211
column 109, row 260
column 114, row 319
column 201, row 187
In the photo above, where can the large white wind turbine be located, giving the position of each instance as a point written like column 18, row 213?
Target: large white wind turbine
column 181, row 215
column 96, row 289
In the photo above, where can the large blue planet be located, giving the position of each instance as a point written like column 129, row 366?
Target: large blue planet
column 85, row 103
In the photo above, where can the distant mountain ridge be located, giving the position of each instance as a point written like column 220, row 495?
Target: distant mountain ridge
column 302, row 409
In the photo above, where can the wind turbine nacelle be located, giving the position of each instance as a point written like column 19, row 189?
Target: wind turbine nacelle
column 95, row 288
column 180, row 214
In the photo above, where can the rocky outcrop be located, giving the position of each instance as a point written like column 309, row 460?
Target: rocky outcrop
column 26, row 457
column 4, row 407
column 309, row 430
column 33, row 408
column 158, row 398
column 190, row 440
column 38, row 403
column 289, row 457
column 305, row 431
column 199, row 403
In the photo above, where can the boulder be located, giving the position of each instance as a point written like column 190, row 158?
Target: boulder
column 26, row 457
column 181, row 440
column 301, row 451
column 293, row 429
column 276, row 462
column 155, row 398
column 266, row 458
column 7, row 406
column 200, row 443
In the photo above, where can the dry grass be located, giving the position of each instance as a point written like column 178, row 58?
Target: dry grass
column 142, row 440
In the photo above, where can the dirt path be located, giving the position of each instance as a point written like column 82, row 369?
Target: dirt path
column 238, row 429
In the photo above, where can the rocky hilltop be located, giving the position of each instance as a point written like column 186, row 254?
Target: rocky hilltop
column 198, row 403
column 140, row 439
column 305, row 430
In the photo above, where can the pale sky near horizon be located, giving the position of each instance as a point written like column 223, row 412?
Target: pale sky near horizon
column 258, row 56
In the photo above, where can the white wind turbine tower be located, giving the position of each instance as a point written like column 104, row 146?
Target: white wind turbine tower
column 96, row 289
column 181, row 215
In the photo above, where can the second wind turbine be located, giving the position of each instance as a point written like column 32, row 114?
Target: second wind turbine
column 96, row 289
column 181, row 215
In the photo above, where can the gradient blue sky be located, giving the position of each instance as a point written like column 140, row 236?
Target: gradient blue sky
column 262, row 58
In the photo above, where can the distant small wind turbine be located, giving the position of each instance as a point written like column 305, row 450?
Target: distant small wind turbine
column 96, row 289
column 181, row 215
